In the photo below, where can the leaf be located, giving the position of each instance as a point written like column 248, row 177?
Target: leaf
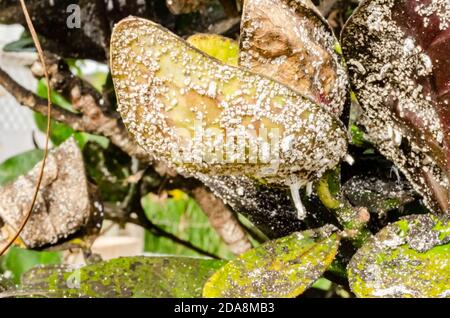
column 409, row 258
column 283, row 267
column 109, row 168
column 224, row 49
column 18, row 261
column 267, row 207
column 19, row 164
column 60, row 132
column 377, row 194
column 185, row 219
column 397, row 55
column 126, row 277
column 291, row 42
column 64, row 205
column 24, row 44
column 158, row 76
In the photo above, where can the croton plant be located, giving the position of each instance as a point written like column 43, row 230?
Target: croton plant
column 290, row 75
column 274, row 123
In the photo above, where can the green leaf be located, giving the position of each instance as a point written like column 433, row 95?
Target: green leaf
column 19, row 164
column 18, row 261
column 284, row 267
column 126, row 277
column 224, row 49
column 22, row 45
column 182, row 217
column 409, row 258
column 60, row 132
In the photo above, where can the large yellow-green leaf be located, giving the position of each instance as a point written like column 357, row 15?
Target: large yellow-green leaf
column 189, row 109
column 224, row 49
column 409, row 258
column 124, row 277
column 284, row 267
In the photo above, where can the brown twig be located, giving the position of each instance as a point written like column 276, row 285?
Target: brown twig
column 47, row 137
column 222, row 220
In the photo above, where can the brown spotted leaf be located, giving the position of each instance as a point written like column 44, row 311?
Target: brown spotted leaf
column 284, row 267
column 64, row 204
column 291, row 42
column 399, row 65
column 201, row 115
column 409, row 258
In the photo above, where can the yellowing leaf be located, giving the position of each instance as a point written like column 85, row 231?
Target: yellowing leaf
column 224, row 49
column 283, row 267
column 191, row 111
column 409, row 258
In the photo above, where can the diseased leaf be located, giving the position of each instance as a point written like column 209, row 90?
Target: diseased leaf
column 378, row 195
column 64, row 204
column 125, row 277
column 291, row 42
column 170, row 94
column 409, row 258
column 283, row 267
column 397, row 53
column 224, row 49
column 60, row 132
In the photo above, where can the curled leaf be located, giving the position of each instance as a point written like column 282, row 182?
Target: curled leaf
column 63, row 206
column 291, row 42
column 284, row 267
column 409, row 258
column 397, row 53
column 203, row 116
